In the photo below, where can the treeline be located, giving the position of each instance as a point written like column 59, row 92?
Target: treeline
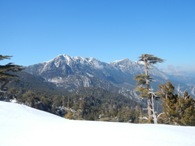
column 98, row 104
column 85, row 104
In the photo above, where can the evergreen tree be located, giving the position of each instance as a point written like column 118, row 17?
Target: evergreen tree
column 179, row 110
column 6, row 72
column 30, row 98
column 169, row 99
column 143, row 81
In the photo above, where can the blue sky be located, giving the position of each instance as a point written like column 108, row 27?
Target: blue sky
column 34, row 31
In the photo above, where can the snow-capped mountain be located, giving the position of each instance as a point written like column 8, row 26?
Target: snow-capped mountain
column 74, row 72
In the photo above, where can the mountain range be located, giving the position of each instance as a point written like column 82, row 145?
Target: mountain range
column 72, row 73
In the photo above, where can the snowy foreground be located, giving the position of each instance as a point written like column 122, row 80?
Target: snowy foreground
column 23, row 126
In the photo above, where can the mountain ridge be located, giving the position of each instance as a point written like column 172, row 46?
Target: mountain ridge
column 72, row 73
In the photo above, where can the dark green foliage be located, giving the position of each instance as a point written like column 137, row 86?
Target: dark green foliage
column 127, row 114
column 99, row 104
column 151, row 59
column 87, row 104
column 186, row 110
column 91, row 108
column 177, row 109
column 141, row 79
column 6, row 75
column 2, row 57
column 6, row 70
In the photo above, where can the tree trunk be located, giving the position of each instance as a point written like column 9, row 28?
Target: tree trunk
column 150, row 113
column 149, row 102
column 153, row 111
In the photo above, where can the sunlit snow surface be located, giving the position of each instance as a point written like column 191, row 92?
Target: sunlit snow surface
column 23, row 126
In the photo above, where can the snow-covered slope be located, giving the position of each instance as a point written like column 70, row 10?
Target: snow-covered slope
column 23, row 126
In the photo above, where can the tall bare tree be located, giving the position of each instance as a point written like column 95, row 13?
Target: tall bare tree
column 143, row 80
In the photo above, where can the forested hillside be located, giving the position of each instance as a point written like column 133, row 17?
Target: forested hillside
column 116, row 100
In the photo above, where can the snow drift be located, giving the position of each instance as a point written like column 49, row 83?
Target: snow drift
column 23, row 126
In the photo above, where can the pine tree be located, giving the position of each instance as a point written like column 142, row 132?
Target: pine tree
column 177, row 110
column 143, row 81
column 169, row 99
column 6, row 72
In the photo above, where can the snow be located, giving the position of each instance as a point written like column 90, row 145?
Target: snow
column 81, row 60
column 56, row 80
column 90, row 75
column 125, row 60
column 23, row 126
column 96, row 63
column 193, row 90
column 68, row 59
column 86, row 81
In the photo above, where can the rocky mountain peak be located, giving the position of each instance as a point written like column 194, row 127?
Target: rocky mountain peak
column 62, row 59
column 75, row 72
